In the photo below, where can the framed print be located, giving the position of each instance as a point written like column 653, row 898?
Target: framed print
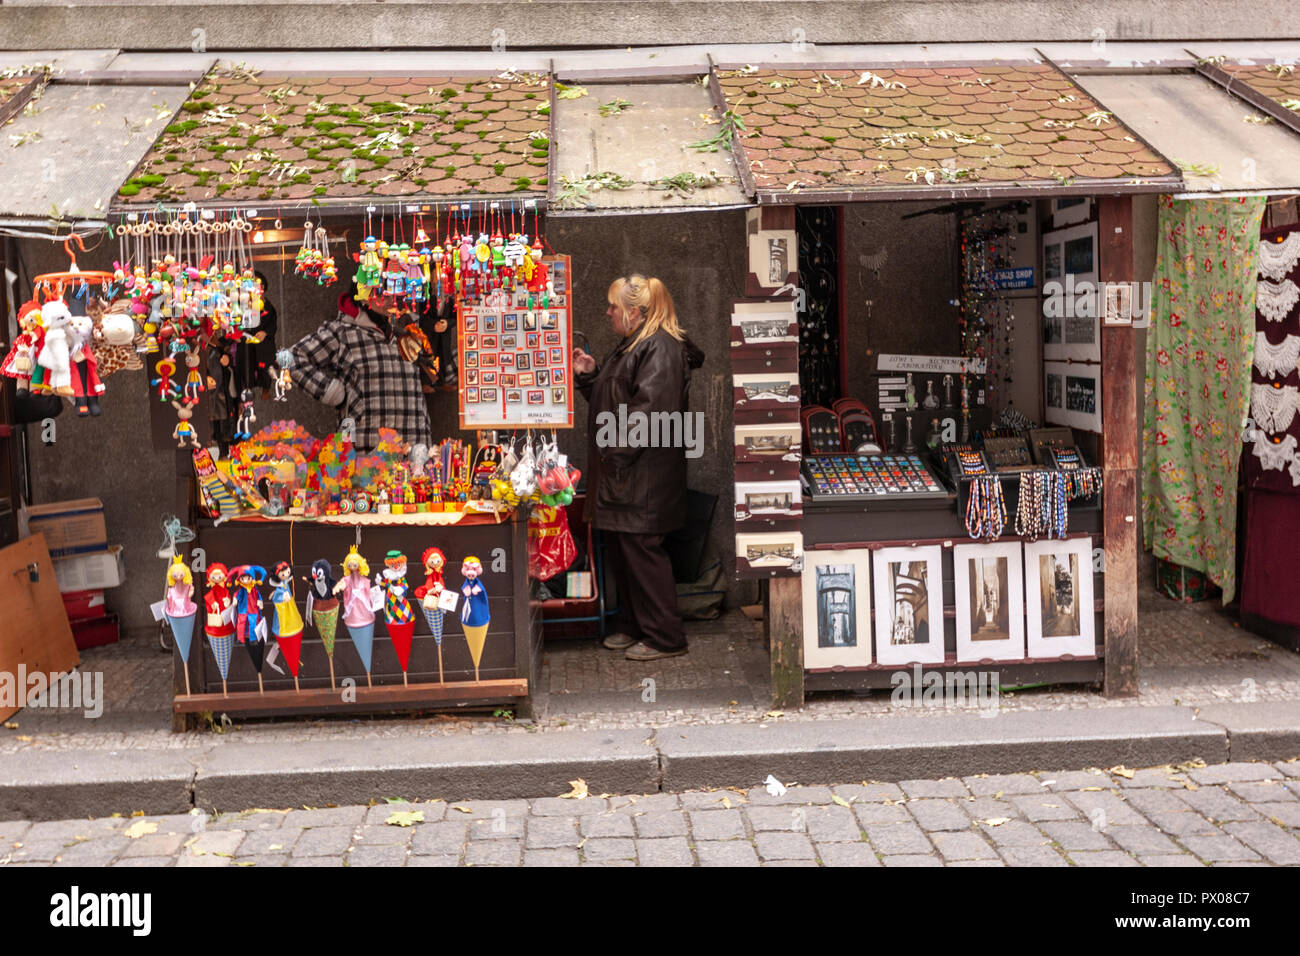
column 557, row 356
column 507, row 379
column 988, row 589
column 773, row 255
column 1072, row 395
column 471, row 360
column 551, row 320
column 507, row 359
column 471, row 324
column 1071, row 308
column 471, row 376
column 557, row 394
column 536, row 397
column 558, row 376
column 770, row 553
column 909, row 605
column 764, row 323
column 766, row 390
column 1070, row 210
column 550, row 338
column 767, row 499
column 471, row 395
column 488, row 342
column 490, row 322
column 489, row 359
column 487, row 394
column 489, row 378
column 543, row 376
column 526, row 379
column 767, row 442
column 509, row 342
column 530, row 321
column 510, row 322
column 836, row 608
column 523, row 361
column 471, row 341
column 539, row 357
column 1058, row 578
column 532, row 339
column 514, row 395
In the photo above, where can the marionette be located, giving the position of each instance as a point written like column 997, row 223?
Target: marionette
column 250, row 625
column 475, row 615
column 83, row 368
column 370, row 269
column 323, row 607
column 21, row 360
column 283, row 384
column 219, row 619
column 288, row 625
column 180, row 609
column 193, row 377
column 56, row 351
column 429, row 593
column 398, row 615
column 184, row 432
column 167, row 390
column 247, row 416
column 358, row 611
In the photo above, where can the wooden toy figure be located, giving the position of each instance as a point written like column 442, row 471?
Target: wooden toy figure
column 184, row 431
column 428, row 595
column 288, row 625
column 219, row 619
column 323, row 607
column 247, row 417
column 357, row 612
column 474, row 613
column 397, row 606
column 250, row 625
column 180, row 609
column 193, row 378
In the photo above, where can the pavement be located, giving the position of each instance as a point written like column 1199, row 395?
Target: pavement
column 1208, row 691
column 1233, row 814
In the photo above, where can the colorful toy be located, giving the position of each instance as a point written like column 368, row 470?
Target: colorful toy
column 475, row 616
column 20, row 363
column 288, row 625
column 56, row 351
column 428, row 595
column 180, row 609
column 247, row 416
column 219, row 619
column 358, row 612
column 323, row 607
column 250, row 625
column 184, row 432
column 397, row 607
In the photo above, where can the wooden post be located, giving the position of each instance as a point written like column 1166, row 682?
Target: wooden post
column 783, row 622
column 1119, row 443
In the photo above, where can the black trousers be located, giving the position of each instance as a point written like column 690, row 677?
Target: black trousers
column 647, row 593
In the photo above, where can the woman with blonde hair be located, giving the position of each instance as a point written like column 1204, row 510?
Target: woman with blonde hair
column 636, row 488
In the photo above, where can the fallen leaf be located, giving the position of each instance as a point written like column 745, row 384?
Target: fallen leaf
column 25, row 738
column 276, row 846
column 245, row 863
column 461, row 809
column 11, row 725
column 138, row 813
column 775, row 713
column 1094, row 788
column 836, row 798
column 405, row 818
column 1122, row 771
column 579, row 791
column 140, row 828
column 726, row 803
column 997, row 821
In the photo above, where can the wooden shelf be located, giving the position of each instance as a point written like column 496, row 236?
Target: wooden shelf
column 385, row 696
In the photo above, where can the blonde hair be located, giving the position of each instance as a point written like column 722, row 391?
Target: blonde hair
column 362, row 567
column 178, row 561
column 649, row 299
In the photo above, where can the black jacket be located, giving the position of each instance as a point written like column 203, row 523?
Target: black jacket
column 631, row 487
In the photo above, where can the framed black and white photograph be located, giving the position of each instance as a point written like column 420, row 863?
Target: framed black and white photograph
column 775, row 442
column 766, row 390
column 1073, row 395
column 764, row 323
column 836, row 609
column 988, row 589
column 1071, row 307
column 765, row 552
column 1058, row 579
column 767, row 499
column 909, row 605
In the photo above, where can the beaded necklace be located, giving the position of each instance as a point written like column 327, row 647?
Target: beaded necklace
column 986, row 509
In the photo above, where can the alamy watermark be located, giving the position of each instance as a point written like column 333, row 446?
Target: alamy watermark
column 953, row 689
column 82, row 691
column 637, row 429
column 1116, row 303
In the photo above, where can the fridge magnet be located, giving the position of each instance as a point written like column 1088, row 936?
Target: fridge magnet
column 358, row 614
column 989, row 591
column 323, row 607
column 474, row 613
column 181, row 610
column 398, row 616
column 836, row 609
column 219, row 619
column 288, row 625
column 909, row 605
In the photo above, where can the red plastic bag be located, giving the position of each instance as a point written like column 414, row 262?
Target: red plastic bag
column 551, row 548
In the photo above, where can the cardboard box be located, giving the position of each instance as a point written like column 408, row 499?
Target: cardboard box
column 70, row 527
column 81, row 605
column 90, row 572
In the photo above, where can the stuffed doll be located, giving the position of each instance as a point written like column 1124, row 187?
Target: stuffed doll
column 219, row 621
column 20, row 363
column 56, row 352
column 83, row 368
column 475, row 617
column 115, row 337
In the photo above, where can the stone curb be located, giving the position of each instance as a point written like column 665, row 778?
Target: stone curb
column 229, row 775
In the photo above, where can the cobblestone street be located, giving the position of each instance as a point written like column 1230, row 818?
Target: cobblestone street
column 1244, row 814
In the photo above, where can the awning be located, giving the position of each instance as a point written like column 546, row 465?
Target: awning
column 66, row 153
column 626, row 147
column 250, row 136
column 1273, row 88
column 1219, row 142
column 983, row 131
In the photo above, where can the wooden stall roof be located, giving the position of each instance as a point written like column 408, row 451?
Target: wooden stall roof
column 244, row 135
column 1273, row 88
column 905, row 132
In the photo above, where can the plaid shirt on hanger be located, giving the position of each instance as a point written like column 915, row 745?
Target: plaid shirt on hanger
column 381, row 389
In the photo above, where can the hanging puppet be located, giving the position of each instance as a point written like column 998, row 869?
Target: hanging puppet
column 474, row 613
column 20, row 363
column 83, row 367
column 358, row 607
column 180, row 609
column 55, row 356
column 398, row 615
column 250, row 625
column 288, row 625
column 429, row 595
column 247, row 416
column 323, row 607
column 219, row 619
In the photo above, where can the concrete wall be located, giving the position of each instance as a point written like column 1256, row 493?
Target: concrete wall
column 699, row 256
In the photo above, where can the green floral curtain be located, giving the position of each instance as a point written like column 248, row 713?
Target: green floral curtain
column 1199, row 352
